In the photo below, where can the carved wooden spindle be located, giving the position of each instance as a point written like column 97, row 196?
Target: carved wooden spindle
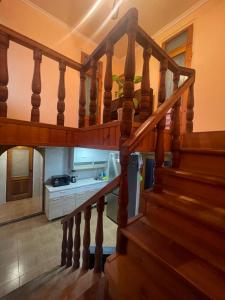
column 108, row 83
column 61, row 94
column 175, row 124
column 76, row 254
column 190, row 111
column 126, row 127
column 36, row 87
column 93, row 94
column 145, row 105
column 99, row 236
column 86, row 239
column 64, row 244
column 159, row 152
column 82, row 100
column 70, row 243
column 4, row 77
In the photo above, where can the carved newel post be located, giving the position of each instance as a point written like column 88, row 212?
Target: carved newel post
column 126, row 127
column 93, row 94
column 190, row 110
column 61, row 94
column 4, row 78
column 82, row 100
column 108, row 83
column 146, row 104
column 36, row 87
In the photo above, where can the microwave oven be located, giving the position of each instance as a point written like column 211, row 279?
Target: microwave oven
column 60, row 180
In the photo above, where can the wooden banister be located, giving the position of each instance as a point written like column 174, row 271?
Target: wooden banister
column 31, row 44
column 93, row 200
column 36, row 87
column 131, row 143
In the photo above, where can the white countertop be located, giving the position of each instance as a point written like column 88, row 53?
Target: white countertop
column 79, row 183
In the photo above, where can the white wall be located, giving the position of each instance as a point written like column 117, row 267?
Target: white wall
column 3, row 170
column 37, row 174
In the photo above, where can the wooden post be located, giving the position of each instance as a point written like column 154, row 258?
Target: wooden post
column 126, row 127
column 76, row 254
column 4, row 77
column 159, row 152
column 36, row 87
column 190, row 111
column 61, row 94
column 145, row 105
column 99, row 236
column 86, row 239
column 64, row 245
column 93, row 94
column 82, row 100
column 175, row 124
column 70, row 244
column 108, row 83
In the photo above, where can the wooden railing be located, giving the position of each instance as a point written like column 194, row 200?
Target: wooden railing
column 7, row 35
column 71, row 243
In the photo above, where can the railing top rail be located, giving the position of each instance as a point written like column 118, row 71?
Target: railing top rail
column 114, row 35
column 31, row 44
column 105, row 190
column 130, row 144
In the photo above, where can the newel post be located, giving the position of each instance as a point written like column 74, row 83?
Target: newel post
column 82, row 99
column 159, row 151
column 146, row 104
column 4, row 77
column 108, row 83
column 93, row 93
column 175, row 124
column 126, row 127
column 190, row 110
column 61, row 94
column 36, row 87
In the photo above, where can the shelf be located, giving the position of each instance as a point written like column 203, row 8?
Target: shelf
column 90, row 165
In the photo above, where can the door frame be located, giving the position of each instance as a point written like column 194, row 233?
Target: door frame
column 9, row 169
column 99, row 73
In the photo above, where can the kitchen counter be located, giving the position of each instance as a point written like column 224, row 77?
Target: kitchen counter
column 79, row 183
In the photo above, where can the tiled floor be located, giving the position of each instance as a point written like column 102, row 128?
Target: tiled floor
column 20, row 208
column 31, row 247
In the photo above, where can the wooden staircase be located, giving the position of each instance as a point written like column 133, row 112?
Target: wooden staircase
column 175, row 250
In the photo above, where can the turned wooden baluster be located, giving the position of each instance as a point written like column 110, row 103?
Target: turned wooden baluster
column 126, row 127
column 86, row 239
column 175, row 124
column 146, row 104
column 99, row 236
column 93, row 94
column 70, row 244
column 76, row 254
column 61, row 94
column 190, row 111
column 36, row 87
column 82, row 100
column 4, row 77
column 159, row 152
column 64, row 244
column 108, row 83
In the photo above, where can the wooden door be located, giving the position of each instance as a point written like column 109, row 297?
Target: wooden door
column 19, row 173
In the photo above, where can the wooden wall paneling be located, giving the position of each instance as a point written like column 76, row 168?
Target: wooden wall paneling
column 4, row 77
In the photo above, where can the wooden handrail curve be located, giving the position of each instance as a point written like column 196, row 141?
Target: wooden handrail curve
column 105, row 190
column 131, row 143
column 31, row 44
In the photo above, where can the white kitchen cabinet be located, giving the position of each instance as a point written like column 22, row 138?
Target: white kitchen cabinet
column 63, row 201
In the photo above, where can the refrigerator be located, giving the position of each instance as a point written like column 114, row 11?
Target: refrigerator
column 135, row 163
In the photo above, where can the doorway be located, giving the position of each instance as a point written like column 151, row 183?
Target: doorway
column 21, row 183
column 179, row 48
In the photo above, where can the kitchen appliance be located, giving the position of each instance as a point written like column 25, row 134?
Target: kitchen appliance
column 114, row 169
column 60, row 180
column 73, row 178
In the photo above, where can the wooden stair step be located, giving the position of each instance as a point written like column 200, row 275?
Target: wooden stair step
column 212, row 216
column 146, row 244
column 127, row 280
column 96, row 292
column 205, row 243
column 210, row 189
column 209, row 161
column 67, row 284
